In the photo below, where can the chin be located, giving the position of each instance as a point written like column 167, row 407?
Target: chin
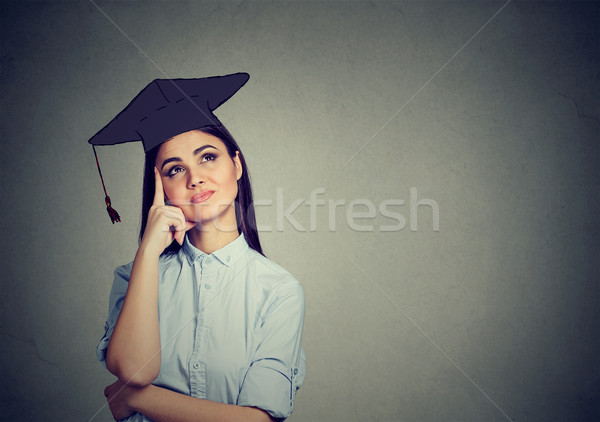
column 221, row 220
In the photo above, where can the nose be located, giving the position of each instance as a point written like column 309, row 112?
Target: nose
column 195, row 179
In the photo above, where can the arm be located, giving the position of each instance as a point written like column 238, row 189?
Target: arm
column 161, row 404
column 133, row 354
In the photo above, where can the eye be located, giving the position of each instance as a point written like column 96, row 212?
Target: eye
column 174, row 170
column 209, row 157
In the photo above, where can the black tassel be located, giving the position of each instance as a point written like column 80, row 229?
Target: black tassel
column 112, row 213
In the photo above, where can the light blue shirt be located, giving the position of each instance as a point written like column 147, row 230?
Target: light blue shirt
column 230, row 327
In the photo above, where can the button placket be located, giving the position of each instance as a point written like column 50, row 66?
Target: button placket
column 196, row 365
column 198, row 375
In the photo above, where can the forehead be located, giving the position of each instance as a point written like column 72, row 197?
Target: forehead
column 186, row 143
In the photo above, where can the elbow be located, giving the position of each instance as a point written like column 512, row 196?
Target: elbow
column 137, row 381
column 133, row 373
column 136, row 378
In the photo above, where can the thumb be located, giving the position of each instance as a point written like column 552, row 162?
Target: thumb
column 180, row 235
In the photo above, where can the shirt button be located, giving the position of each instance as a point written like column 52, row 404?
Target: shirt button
column 207, row 286
column 209, row 260
column 196, row 365
column 228, row 258
column 296, row 371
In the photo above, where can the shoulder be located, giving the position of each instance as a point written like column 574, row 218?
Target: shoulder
column 273, row 278
column 124, row 271
column 165, row 261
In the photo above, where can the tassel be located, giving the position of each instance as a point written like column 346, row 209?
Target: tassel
column 112, row 213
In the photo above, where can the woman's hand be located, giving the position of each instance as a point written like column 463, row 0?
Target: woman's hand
column 118, row 394
column 165, row 222
column 161, row 404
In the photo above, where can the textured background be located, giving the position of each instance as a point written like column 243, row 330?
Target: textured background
column 494, row 317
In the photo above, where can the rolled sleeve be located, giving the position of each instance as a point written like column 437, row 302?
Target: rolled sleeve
column 278, row 368
column 115, row 302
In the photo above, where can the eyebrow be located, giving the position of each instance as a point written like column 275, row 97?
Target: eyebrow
column 196, row 152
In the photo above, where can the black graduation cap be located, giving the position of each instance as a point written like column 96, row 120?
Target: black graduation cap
column 165, row 108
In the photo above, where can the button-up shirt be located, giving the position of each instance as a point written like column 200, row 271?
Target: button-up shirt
column 230, row 327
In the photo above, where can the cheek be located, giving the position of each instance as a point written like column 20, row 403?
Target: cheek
column 172, row 191
column 228, row 179
column 233, row 183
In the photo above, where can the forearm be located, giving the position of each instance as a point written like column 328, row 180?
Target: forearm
column 161, row 404
column 133, row 353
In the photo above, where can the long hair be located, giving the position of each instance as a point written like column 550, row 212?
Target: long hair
column 244, row 202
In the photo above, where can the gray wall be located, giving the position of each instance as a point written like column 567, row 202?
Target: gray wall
column 494, row 316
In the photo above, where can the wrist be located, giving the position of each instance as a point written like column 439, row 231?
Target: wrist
column 146, row 251
column 137, row 396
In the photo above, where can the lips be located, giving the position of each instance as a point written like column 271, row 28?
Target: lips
column 202, row 196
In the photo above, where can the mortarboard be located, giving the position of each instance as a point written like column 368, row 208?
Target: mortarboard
column 165, row 108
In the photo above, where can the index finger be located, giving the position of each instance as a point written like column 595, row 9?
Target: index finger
column 159, row 194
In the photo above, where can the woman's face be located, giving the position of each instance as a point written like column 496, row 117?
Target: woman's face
column 200, row 177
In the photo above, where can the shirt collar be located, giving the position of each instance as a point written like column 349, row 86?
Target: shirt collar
column 226, row 255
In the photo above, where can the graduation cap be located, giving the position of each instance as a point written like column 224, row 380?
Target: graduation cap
column 165, row 108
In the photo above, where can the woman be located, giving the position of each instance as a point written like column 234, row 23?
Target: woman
column 201, row 325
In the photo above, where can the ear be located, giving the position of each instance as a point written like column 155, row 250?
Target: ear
column 238, row 165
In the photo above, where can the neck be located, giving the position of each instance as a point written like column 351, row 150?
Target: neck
column 209, row 241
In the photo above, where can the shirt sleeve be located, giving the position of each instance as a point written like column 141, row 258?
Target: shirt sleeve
column 115, row 302
column 278, row 368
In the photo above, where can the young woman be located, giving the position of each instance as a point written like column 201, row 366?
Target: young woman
column 201, row 325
